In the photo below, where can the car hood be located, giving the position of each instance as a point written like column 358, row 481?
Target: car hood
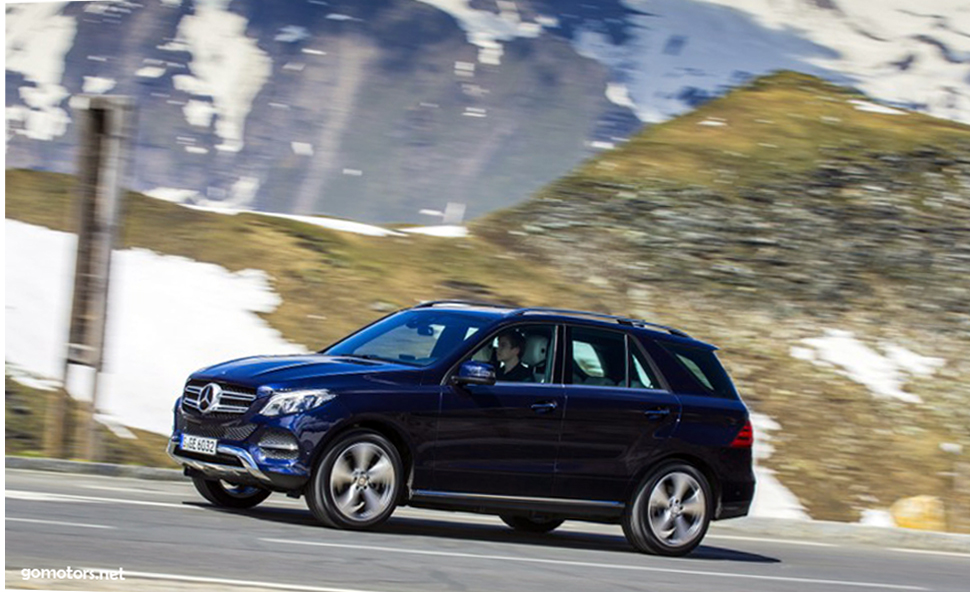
column 260, row 370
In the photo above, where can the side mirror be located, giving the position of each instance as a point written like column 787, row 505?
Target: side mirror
column 472, row 372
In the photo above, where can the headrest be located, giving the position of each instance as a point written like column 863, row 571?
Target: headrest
column 536, row 347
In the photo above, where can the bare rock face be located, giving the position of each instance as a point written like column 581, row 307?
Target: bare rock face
column 922, row 512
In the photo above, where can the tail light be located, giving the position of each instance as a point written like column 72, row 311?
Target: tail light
column 745, row 437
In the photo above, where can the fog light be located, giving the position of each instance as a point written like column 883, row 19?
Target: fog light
column 279, row 445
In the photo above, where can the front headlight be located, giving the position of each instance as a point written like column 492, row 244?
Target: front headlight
column 296, row 401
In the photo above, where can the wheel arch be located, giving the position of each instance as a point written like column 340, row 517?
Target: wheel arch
column 695, row 461
column 384, row 427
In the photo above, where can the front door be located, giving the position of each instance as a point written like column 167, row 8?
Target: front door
column 503, row 439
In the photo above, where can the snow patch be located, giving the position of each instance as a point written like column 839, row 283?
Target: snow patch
column 97, row 85
column 442, row 230
column 172, row 194
column 618, row 94
column 226, row 65
column 712, row 123
column 880, row 518
column 874, row 108
column 38, row 38
column 150, row 72
column 335, row 224
column 771, row 498
column 486, row 30
column 292, row 34
column 150, row 312
column 199, row 113
column 882, row 374
column 243, row 192
column 676, row 54
column 302, row 148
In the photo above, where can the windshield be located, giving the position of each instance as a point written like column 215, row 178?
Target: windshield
column 416, row 337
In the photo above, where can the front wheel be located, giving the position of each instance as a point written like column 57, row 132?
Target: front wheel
column 670, row 512
column 357, row 482
column 533, row 525
column 227, row 495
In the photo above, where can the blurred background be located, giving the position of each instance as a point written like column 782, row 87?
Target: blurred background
column 787, row 179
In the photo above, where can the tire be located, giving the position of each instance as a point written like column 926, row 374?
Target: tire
column 533, row 525
column 357, row 482
column 227, row 495
column 670, row 512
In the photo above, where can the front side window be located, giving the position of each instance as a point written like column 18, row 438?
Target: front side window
column 523, row 353
column 414, row 337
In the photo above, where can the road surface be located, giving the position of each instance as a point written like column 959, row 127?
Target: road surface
column 165, row 531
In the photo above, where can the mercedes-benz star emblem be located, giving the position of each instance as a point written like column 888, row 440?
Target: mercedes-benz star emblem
column 209, row 397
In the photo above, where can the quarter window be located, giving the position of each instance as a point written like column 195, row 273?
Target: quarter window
column 641, row 373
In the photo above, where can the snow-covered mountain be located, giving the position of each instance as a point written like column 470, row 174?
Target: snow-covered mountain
column 377, row 109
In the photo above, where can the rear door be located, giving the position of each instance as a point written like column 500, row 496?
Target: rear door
column 618, row 414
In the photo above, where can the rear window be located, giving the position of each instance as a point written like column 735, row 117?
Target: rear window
column 702, row 365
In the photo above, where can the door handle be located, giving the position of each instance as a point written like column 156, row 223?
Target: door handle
column 545, row 407
column 655, row 414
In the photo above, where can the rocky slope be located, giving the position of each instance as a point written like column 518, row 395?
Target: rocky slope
column 823, row 242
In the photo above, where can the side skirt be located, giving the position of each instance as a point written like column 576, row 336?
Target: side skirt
column 590, row 510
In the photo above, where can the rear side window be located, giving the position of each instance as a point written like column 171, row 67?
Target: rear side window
column 702, row 365
column 598, row 357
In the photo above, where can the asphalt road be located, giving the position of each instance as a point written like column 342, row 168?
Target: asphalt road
column 165, row 529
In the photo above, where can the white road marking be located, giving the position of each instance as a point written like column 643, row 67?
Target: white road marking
column 37, row 496
column 135, row 490
column 617, row 566
column 56, row 523
column 242, row 583
column 928, row 552
column 765, row 540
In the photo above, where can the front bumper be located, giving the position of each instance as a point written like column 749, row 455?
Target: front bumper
column 248, row 471
column 247, row 468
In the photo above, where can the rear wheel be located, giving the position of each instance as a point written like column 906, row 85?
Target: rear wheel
column 357, row 482
column 532, row 524
column 670, row 512
column 228, row 495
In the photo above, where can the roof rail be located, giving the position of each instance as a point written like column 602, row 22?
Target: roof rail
column 600, row 316
column 433, row 303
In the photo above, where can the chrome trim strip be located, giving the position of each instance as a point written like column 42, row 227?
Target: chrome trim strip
column 286, row 447
column 219, row 470
column 228, row 408
column 238, row 395
column 194, row 389
column 515, row 498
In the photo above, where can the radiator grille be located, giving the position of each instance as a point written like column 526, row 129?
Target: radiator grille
column 222, row 400
column 216, row 430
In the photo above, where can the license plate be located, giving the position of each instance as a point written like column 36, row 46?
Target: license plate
column 198, row 444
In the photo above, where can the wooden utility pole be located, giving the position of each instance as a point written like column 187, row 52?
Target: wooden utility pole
column 106, row 125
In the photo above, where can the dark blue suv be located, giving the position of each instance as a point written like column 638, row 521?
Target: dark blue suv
column 537, row 415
